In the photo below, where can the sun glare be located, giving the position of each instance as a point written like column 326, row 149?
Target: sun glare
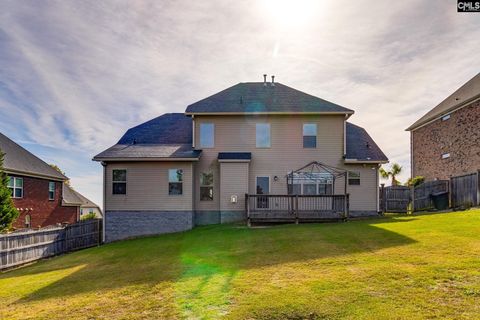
column 290, row 13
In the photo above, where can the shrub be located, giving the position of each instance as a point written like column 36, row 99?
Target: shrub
column 88, row 216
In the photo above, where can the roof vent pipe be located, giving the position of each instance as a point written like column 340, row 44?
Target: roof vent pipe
column 273, row 81
column 265, row 80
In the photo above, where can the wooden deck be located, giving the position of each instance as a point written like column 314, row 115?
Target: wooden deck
column 296, row 208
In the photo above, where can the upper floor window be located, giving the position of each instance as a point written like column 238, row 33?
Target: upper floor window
column 119, row 181
column 51, row 190
column 262, row 131
column 354, row 178
column 207, row 135
column 175, row 181
column 309, row 135
column 206, row 186
column 16, row 187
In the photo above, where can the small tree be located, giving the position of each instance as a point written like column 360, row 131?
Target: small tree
column 415, row 181
column 394, row 171
column 8, row 213
column 89, row 216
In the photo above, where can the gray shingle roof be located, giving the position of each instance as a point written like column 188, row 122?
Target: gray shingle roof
column 234, row 155
column 360, row 145
column 167, row 136
column 18, row 160
column 85, row 201
column 145, row 151
column 257, row 98
column 465, row 94
column 70, row 196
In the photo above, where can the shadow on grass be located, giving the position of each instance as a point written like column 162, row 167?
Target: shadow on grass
column 191, row 261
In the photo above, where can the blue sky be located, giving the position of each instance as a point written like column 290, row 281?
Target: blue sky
column 74, row 75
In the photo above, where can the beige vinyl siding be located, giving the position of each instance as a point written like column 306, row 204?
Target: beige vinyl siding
column 233, row 181
column 363, row 197
column 237, row 133
column 147, row 187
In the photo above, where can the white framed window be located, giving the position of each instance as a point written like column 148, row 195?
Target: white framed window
column 206, row 186
column 51, row 190
column 262, row 135
column 15, row 185
column 119, row 181
column 309, row 135
column 445, row 155
column 207, row 135
column 353, row 178
column 175, row 182
column 312, row 184
column 446, row 117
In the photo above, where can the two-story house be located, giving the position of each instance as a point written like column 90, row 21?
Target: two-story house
column 446, row 140
column 181, row 170
column 39, row 192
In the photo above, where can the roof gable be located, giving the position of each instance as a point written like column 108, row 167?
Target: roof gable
column 19, row 160
column 256, row 97
column 360, row 146
column 465, row 94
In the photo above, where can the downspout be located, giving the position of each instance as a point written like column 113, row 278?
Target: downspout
column 345, row 136
column 104, row 165
column 193, row 131
column 411, row 154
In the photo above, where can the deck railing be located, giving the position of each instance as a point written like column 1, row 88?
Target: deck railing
column 295, row 208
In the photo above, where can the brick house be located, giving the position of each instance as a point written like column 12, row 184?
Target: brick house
column 39, row 192
column 446, row 141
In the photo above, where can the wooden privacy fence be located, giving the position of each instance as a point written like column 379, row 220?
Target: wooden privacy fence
column 23, row 247
column 465, row 190
column 394, row 199
column 295, row 208
column 422, row 194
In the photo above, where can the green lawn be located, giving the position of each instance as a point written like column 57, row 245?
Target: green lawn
column 399, row 267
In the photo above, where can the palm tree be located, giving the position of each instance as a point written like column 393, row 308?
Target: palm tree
column 394, row 171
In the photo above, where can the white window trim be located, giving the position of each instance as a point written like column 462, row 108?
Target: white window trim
column 446, row 117
column 126, row 184
column 206, row 185
column 269, row 184
column 446, row 155
column 316, row 187
column 168, row 185
column 316, row 135
column 354, row 178
column 49, row 184
column 200, row 136
column 14, row 187
column 269, row 135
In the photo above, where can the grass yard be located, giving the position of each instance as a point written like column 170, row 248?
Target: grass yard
column 399, row 267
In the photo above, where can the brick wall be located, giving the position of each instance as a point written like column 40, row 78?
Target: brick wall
column 44, row 211
column 459, row 136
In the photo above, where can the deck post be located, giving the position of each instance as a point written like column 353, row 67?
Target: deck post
column 296, row 209
column 247, row 208
column 347, row 206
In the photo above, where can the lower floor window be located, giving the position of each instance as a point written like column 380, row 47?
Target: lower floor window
column 175, row 181
column 354, row 178
column 206, row 186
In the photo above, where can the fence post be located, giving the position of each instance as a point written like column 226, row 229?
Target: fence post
column 478, row 187
column 347, row 207
column 247, row 208
column 296, row 209
column 383, row 198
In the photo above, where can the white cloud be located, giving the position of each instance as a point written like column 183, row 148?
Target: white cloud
column 76, row 75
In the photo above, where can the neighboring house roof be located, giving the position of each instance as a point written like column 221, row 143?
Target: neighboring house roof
column 465, row 94
column 256, row 97
column 234, row 156
column 361, row 147
column 86, row 203
column 70, row 197
column 166, row 137
column 20, row 161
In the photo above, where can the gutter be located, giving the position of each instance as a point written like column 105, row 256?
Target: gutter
column 34, row 175
column 101, row 159
column 356, row 161
column 349, row 113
